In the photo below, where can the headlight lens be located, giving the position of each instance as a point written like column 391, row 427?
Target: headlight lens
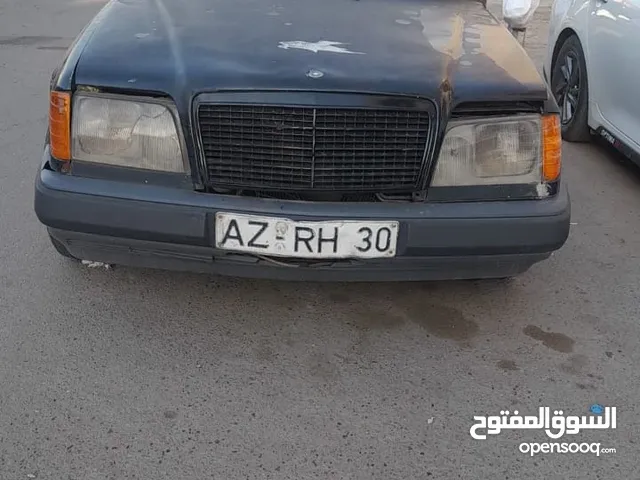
column 126, row 133
column 491, row 152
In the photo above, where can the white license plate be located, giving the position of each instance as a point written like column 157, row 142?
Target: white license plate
column 283, row 237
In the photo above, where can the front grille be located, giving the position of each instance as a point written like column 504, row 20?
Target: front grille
column 362, row 197
column 306, row 148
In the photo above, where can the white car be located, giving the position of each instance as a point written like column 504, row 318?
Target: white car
column 593, row 69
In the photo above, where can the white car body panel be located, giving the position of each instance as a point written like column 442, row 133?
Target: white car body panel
column 609, row 32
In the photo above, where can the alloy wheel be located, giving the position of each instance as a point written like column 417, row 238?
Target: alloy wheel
column 567, row 88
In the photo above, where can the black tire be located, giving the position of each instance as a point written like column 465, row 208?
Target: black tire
column 570, row 88
column 60, row 248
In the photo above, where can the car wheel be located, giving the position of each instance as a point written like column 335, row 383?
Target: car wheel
column 571, row 90
column 60, row 248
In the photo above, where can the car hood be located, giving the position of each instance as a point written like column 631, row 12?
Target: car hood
column 438, row 49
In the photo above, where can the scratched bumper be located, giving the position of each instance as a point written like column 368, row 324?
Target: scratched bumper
column 161, row 227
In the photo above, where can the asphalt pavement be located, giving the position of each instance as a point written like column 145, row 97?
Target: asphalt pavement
column 125, row 373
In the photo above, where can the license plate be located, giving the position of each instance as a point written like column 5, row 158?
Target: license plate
column 283, row 237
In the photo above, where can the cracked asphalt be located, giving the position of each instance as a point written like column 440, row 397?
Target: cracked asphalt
column 128, row 373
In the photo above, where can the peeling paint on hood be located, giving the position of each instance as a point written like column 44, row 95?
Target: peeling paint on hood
column 321, row 46
column 452, row 48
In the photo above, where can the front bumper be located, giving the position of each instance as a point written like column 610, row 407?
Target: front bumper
column 170, row 228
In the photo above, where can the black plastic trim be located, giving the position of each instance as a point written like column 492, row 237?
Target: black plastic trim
column 484, row 193
column 619, row 145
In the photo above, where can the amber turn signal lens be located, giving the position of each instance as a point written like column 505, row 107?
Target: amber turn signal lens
column 60, row 125
column 551, row 147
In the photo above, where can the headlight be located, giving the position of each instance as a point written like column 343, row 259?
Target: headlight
column 499, row 151
column 128, row 133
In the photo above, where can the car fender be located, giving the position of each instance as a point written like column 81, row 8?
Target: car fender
column 571, row 17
